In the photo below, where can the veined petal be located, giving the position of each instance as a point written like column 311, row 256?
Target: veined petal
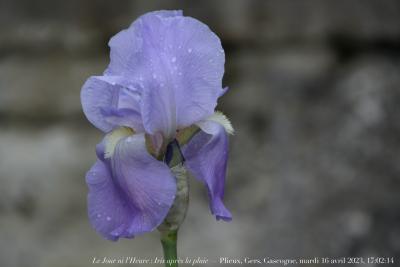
column 123, row 117
column 181, row 63
column 206, row 158
column 147, row 183
column 131, row 192
column 127, row 45
column 107, row 104
column 109, row 211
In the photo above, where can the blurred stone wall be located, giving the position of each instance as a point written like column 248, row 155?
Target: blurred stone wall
column 314, row 167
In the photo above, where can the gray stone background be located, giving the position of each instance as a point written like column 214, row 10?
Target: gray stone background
column 314, row 167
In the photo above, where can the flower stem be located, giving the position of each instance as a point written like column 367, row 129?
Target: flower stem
column 169, row 244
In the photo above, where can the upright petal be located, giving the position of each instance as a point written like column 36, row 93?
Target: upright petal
column 108, row 104
column 206, row 158
column 147, row 183
column 181, row 63
column 127, row 45
column 123, row 117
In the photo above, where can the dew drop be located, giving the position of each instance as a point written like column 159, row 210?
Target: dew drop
column 190, row 50
column 173, row 59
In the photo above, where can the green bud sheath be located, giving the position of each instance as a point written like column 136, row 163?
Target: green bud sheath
column 176, row 215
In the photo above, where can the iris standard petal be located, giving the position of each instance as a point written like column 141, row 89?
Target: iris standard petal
column 123, row 117
column 147, row 183
column 206, row 158
column 181, row 63
column 109, row 212
column 107, row 104
column 127, row 46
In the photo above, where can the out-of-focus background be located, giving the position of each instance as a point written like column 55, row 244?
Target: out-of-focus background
column 314, row 167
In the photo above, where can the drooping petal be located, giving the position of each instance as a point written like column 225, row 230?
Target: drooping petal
column 129, row 193
column 206, row 158
column 147, row 183
column 107, row 104
column 109, row 212
column 181, row 63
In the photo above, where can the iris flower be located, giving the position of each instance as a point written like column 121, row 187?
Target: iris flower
column 160, row 87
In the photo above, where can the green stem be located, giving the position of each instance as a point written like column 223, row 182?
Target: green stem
column 169, row 244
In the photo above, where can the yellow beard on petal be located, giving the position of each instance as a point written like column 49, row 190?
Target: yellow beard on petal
column 113, row 138
column 220, row 118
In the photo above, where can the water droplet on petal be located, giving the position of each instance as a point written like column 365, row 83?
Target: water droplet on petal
column 173, row 59
column 190, row 50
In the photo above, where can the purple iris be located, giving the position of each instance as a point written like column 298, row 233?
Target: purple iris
column 164, row 78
